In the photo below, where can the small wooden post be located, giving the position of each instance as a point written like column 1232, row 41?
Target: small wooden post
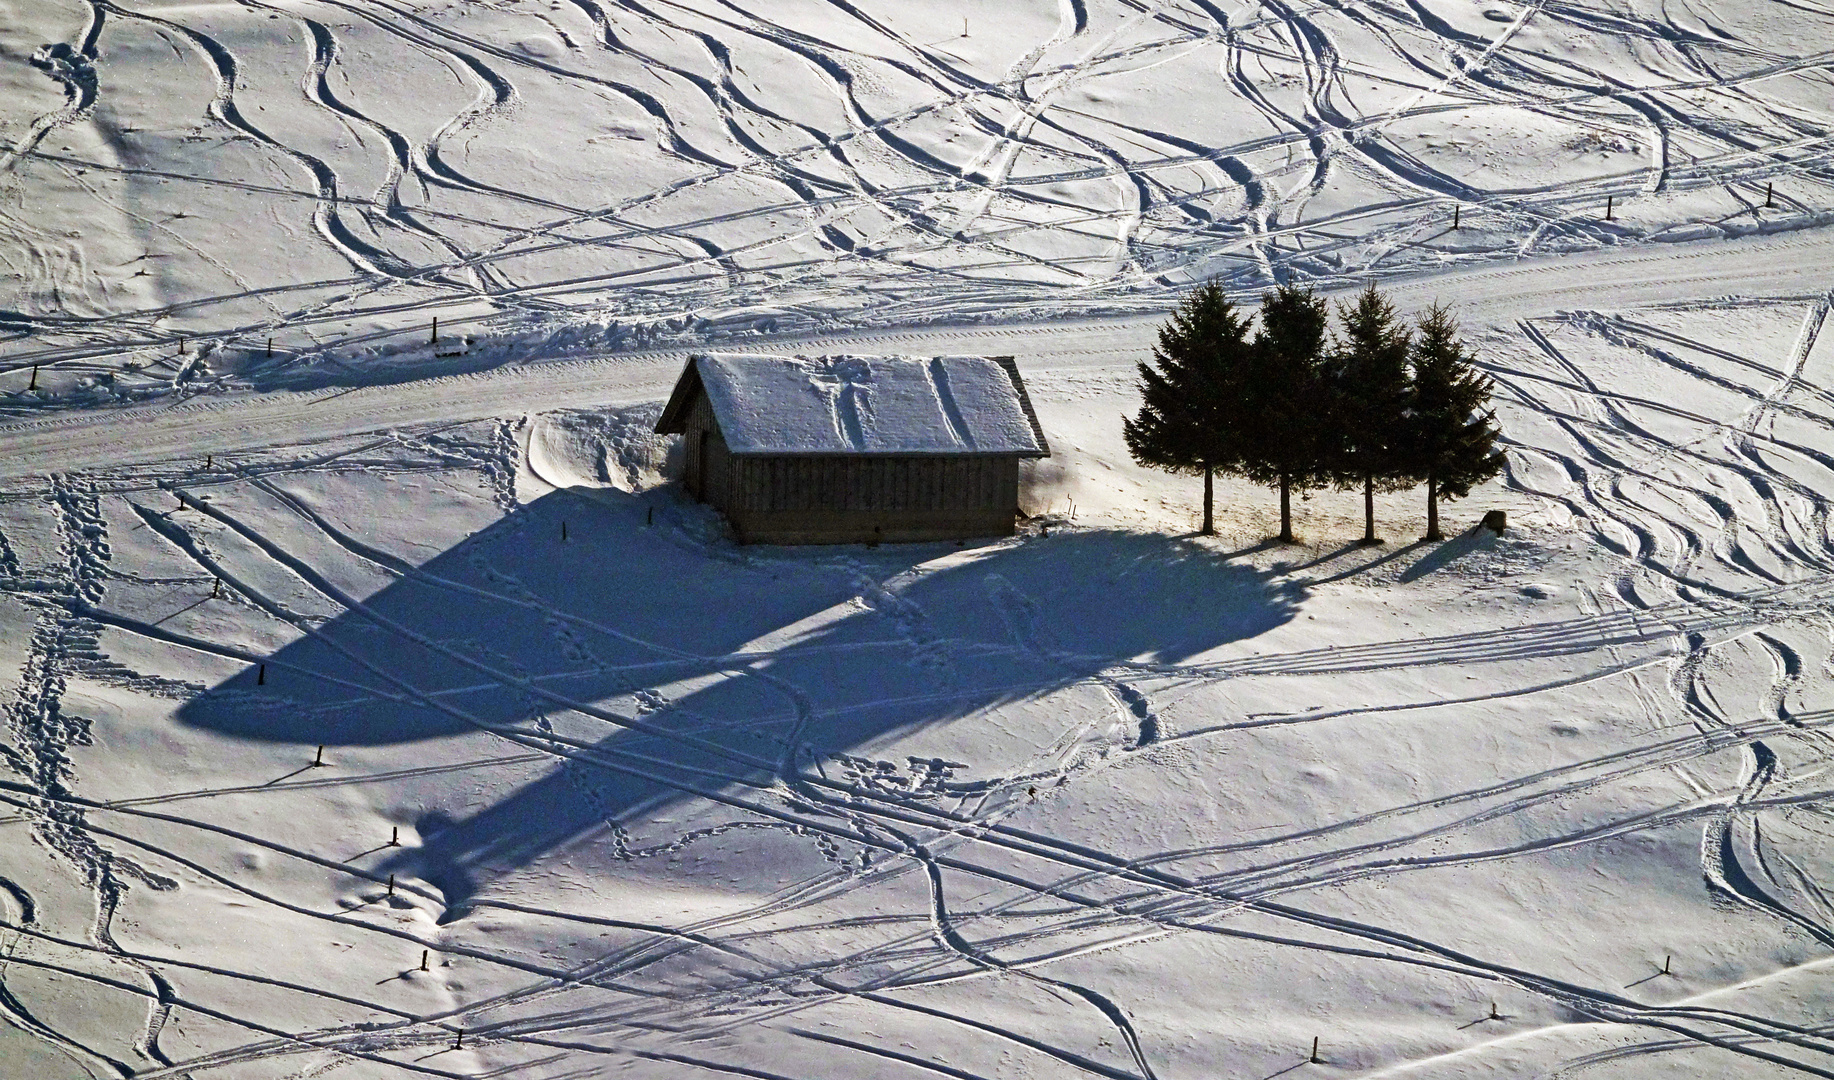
column 394, row 836
column 459, row 1043
column 1455, row 209
column 1665, row 963
column 1314, row 1058
column 435, row 330
column 181, row 346
column 391, row 884
column 261, row 675
column 318, row 760
column 34, row 385
column 209, row 460
column 964, row 26
column 1607, row 208
column 423, row 961
column 270, row 348
column 1768, row 202
column 216, row 590
column 1494, row 1015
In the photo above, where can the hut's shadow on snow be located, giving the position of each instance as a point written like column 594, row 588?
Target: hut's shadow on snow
column 673, row 669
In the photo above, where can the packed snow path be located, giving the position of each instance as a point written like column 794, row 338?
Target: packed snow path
column 1506, row 298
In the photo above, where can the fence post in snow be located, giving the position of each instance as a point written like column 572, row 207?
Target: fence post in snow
column 1455, row 209
column 1314, row 1059
column 435, row 340
column 34, row 385
column 1768, row 202
column 423, row 960
column 318, row 759
column 1607, row 208
column 261, row 675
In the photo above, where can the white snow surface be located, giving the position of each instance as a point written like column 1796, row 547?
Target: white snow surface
column 381, row 690
column 220, row 194
column 866, row 405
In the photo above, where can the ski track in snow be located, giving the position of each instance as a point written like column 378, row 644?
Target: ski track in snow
column 1058, row 209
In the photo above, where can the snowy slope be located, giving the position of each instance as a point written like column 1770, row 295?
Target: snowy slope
column 1104, row 799
column 307, row 184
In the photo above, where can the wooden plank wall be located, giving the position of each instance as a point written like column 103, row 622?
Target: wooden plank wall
column 925, row 482
column 704, row 482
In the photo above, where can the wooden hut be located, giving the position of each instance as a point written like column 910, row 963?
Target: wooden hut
column 855, row 449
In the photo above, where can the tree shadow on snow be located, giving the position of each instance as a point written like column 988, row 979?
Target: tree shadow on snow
column 671, row 669
column 1448, row 552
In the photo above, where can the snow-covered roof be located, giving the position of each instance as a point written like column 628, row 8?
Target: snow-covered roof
column 862, row 404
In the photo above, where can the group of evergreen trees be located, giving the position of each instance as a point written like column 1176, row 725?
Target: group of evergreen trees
column 1296, row 406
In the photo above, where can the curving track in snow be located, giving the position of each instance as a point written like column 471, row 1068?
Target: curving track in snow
column 737, row 169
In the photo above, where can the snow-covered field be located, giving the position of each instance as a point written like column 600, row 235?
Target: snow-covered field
column 369, row 693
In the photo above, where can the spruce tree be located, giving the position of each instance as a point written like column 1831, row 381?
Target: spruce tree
column 1284, row 442
column 1369, row 399
column 1189, row 420
column 1454, row 443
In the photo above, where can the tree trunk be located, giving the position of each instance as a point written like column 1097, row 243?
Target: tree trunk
column 1432, row 508
column 1286, row 509
column 1369, row 536
column 1209, row 528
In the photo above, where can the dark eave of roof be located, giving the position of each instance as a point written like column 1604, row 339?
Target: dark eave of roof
column 1011, row 367
column 674, row 419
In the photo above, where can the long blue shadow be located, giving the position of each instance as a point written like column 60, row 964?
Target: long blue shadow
column 515, row 631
